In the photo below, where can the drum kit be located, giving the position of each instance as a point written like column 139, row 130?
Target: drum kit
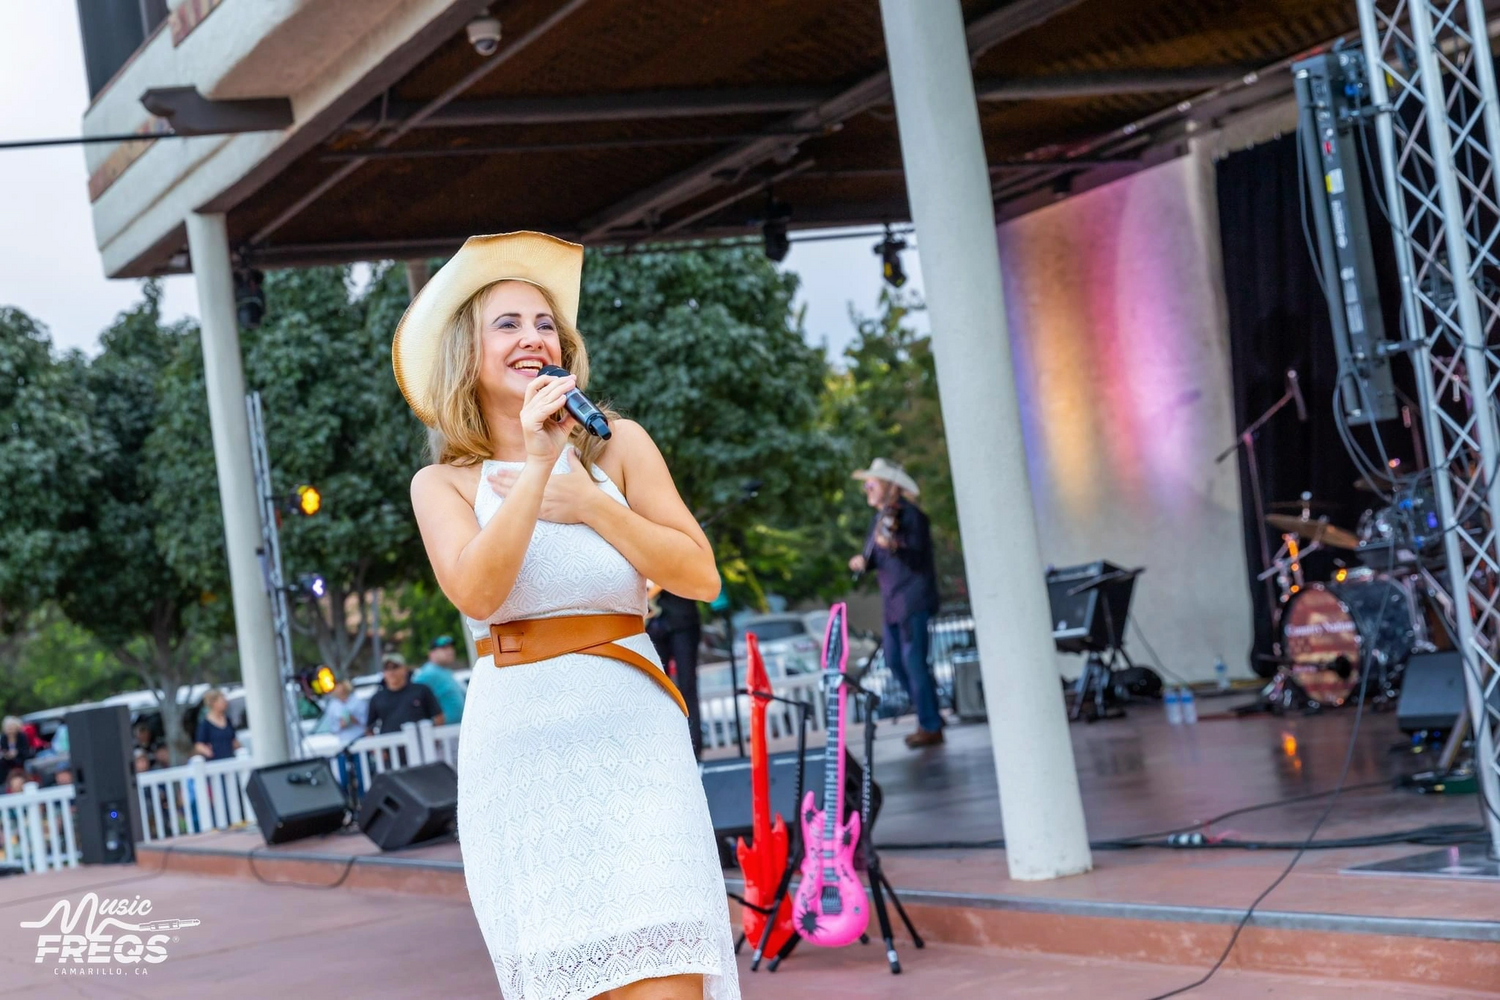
column 1370, row 617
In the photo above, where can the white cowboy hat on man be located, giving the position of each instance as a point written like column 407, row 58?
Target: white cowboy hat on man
column 891, row 472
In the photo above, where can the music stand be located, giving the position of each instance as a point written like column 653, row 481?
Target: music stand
column 1090, row 606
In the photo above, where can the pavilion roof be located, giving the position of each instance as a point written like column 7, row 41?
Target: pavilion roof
column 617, row 121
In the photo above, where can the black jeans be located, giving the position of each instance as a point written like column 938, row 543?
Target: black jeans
column 681, row 645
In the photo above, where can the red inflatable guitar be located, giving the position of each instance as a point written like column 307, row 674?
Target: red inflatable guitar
column 763, row 860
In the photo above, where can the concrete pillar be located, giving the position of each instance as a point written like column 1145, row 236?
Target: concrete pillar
column 947, row 180
column 208, row 244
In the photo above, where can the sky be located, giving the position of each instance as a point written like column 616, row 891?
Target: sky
column 50, row 267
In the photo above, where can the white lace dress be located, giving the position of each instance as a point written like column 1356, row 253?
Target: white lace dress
column 587, row 845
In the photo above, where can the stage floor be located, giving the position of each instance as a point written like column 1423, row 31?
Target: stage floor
column 1141, row 922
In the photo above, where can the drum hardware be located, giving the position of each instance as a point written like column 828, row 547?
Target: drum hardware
column 1306, row 504
column 1316, row 530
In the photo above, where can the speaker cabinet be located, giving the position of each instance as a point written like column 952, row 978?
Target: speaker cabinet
column 107, row 810
column 968, row 686
column 1432, row 692
column 726, row 783
column 409, row 806
column 295, row 800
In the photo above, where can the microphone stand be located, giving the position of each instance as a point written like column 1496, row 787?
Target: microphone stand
column 1246, row 441
column 748, row 492
column 794, row 833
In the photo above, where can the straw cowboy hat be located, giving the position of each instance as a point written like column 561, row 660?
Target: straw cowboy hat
column 551, row 264
column 891, row 472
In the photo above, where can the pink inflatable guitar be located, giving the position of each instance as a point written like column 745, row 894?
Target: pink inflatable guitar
column 830, row 908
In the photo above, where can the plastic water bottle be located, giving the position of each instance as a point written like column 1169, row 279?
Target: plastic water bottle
column 1221, row 674
column 1173, row 701
column 1189, row 707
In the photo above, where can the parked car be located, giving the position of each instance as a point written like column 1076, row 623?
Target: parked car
column 792, row 642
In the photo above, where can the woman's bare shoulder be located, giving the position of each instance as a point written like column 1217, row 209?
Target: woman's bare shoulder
column 437, row 478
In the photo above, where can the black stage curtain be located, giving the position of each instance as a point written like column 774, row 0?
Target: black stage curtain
column 1278, row 319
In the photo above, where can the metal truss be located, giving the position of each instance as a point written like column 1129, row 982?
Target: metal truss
column 1431, row 78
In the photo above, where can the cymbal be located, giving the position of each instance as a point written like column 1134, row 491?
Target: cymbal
column 1314, row 531
column 1299, row 504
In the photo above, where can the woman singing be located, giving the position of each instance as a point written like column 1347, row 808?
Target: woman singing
column 587, row 845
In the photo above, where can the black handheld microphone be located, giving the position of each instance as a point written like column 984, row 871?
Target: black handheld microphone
column 1296, row 390
column 579, row 407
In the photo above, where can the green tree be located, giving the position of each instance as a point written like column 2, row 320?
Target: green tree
column 122, row 589
column 703, row 348
column 60, row 664
column 334, row 418
column 418, row 613
column 49, row 453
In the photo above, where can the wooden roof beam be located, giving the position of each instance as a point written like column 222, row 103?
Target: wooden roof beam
column 593, row 108
column 662, row 104
column 983, row 33
column 1128, row 81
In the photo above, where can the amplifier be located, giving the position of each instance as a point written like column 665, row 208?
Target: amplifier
column 727, row 785
column 410, row 805
column 300, row 798
column 1432, row 692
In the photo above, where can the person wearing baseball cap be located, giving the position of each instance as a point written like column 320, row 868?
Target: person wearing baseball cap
column 437, row 674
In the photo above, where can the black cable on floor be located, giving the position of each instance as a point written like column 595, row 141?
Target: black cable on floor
column 1338, row 788
column 1189, row 828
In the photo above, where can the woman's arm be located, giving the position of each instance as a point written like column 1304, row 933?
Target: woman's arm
column 476, row 568
column 656, row 533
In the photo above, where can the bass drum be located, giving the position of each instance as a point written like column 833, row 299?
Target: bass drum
column 1335, row 631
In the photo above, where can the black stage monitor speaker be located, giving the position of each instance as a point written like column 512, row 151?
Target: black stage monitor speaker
column 107, row 810
column 300, row 798
column 727, row 785
column 1432, row 692
column 409, row 806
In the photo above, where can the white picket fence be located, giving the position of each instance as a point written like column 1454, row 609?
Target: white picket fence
column 719, row 719
column 37, row 824
column 203, row 795
column 206, row 795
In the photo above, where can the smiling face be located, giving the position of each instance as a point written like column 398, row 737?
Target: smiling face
column 517, row 336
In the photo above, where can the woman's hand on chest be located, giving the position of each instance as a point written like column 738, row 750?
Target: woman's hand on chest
column 570, row 496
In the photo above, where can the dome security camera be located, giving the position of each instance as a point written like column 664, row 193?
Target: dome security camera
column 484, row 35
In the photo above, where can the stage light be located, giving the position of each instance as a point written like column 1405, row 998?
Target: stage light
column 889, row 252
column 1341, row 575
column 311, row 585
column 249, row 296
column 776, row 243
column 317, row 681
column 307, row 501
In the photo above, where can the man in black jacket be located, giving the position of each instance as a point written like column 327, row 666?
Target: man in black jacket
column 676, row 631
column 899, row 549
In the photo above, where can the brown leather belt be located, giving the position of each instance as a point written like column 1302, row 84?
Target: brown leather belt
column 533, row 639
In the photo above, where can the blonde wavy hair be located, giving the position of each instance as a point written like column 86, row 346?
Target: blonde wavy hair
column 460, row 436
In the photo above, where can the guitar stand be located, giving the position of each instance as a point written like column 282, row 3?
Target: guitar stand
column 880, row 885
column 784, row 886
